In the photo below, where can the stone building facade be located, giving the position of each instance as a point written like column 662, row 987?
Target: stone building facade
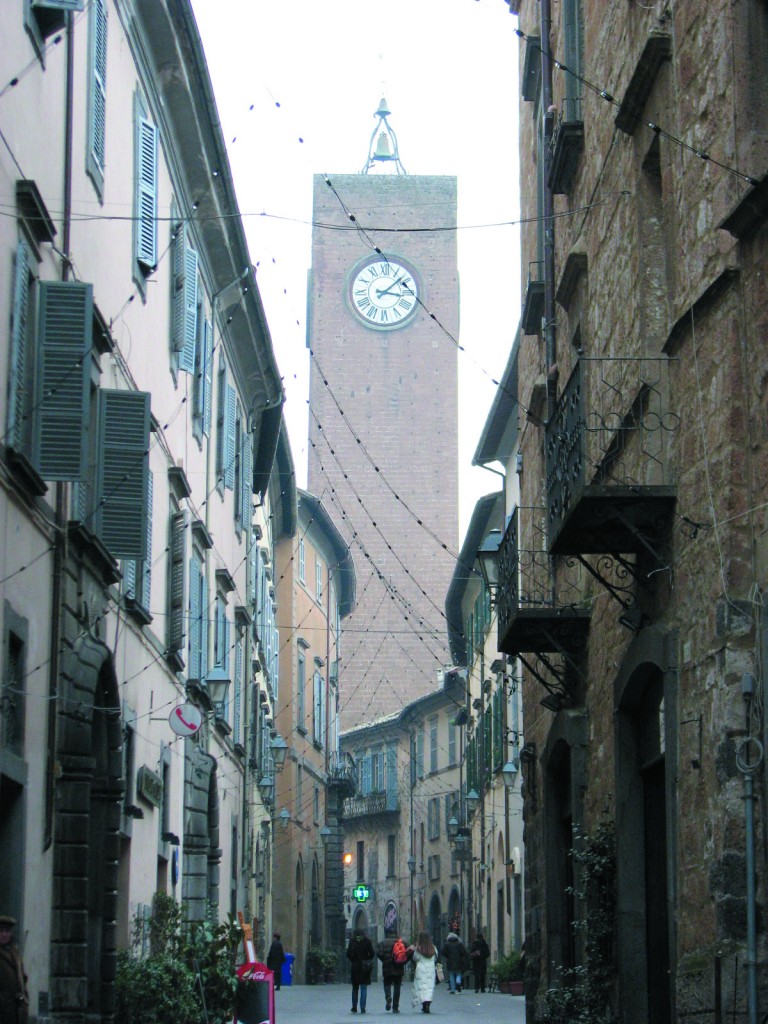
column 634, row 564
column 383, row 421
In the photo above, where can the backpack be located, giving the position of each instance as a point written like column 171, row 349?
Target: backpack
column 399, row 954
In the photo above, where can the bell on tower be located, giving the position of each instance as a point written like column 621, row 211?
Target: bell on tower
column 383, row 154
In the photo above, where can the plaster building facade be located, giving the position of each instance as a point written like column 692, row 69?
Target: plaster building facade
column 378, row 357
column 315, row 591
column 642, row 369
column 141, row 411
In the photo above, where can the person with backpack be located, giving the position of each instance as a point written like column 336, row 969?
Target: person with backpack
column 394, row 956
column 454, row 952
column 360, row 955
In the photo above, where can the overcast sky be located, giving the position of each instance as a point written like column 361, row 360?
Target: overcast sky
column 297, row 83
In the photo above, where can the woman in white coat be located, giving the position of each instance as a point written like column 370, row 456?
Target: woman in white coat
column 425, row 959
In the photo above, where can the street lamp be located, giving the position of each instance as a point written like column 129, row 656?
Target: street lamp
column 509, row 774
column 285, row 818
column 325, row 835
column 278, row 748
column 217, row 683
column 266, row 786
column 472, row 800
column 453, row 827
column 488, row 557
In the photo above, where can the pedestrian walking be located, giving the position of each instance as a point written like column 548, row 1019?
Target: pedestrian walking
column 14, row 1001
column 455, row 955
column 479, row 954
column 394, row 956
column 276, row 959
column 361, row 955
column 425, row 957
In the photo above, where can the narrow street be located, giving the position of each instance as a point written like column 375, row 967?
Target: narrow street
column 330, row 1004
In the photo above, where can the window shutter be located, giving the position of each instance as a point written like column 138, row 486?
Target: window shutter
column 63, row 387
column 122, row 472
column 203, row 624
column 59, row 5
column 254, row 560
column 195, row 576
column 391, row 783
column 229, row 437
column 236, row 738
column 179, row 245
column 146, row 577
column 177, row 583
column 227, row 641
column 146, row 199
column 129, row 579
column 207, row 377
column 366, row 775
column 189, row 300
column 98, row 106
column 246, row 480
column 221, row 399
column 17, row 425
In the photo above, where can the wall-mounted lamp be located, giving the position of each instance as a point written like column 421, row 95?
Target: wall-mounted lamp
column 453, row 827
column 325, row 835
column 509, row 774
column 285, row 818
column 411, row 864
column 278, row 748
column 266, row 786
column 217, row 683
column 488, row 558
column 472, row 800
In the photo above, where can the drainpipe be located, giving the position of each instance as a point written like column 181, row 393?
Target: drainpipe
column 60, row 516
column 749, row 763
column 550, row 339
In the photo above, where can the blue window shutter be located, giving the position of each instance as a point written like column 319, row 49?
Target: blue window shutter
column 177, row 582
column 189, row 301
column 63, row 384
column 246, row 480
column 97, row 111
column 122, row 472
column 230, row 431
column 18, row 424
column 227, row 641
column 391, row 783
column 236, row 737
column 146, row 577
column 129, row 579
column 146, row 193
column 178, row 246
column 203, row 625
column 221, row 422
column 195, row 574
column 207, row 376
column 60, row 5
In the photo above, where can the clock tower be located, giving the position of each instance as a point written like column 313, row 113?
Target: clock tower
column 383, row 316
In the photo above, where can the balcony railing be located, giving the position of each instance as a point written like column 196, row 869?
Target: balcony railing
column 609, row 456
column 342, row 772
column 371, row 804
column 538, row 610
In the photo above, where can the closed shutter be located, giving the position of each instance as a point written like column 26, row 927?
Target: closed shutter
column 391, row 782
column 195, row 577
column 122, row 470
column 129, row 579
column 366, row 775
column 207, row 377
column 18, row 394
column 98, row 97
column 230, row 440
column 203, row 625
column 146, row 576
column 221, row 434
column 61, row 398
column 146, row 193
column 246, row 480
column 59, row 5
column 177, row 583
column 236, row 737
column 184, row 301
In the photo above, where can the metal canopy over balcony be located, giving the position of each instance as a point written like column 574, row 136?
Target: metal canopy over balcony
column 609, row 487
column 533, row 300
column 536, row 612
column 565, row 147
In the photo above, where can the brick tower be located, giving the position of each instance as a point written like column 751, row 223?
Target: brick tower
column 383, row 422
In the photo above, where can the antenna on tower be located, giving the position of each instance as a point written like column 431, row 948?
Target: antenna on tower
column 383, row 149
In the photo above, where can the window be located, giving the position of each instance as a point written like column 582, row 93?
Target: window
column 221, row 634
column 451, row 742
column 301, row 686
column 433, row 818
column 237, row 699
column 13, row 684
column 299, row 791
column 145, row 163
column 177, row 585
column 573, row 31
column 44, row 17
column 184, row 301
column 420, row 754
column 244, row 484
column 316, row 805
column 97, row 94
column 392, row 778
column 390, row 856
column 433, row 867
column 360, row 860
column 377, row 772
column 202, row 389
column 302, row 561
column 121, row 497
column 318, row 578
column 225, row 438
column 433, row 744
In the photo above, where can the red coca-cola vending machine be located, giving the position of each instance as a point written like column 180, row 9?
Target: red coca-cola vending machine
column 255, row 995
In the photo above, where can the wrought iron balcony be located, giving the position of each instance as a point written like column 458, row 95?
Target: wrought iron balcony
column 342, row 773
column 565, row 146
column 533, row 300
column 370, row 805
column 537, row 610
column 608, row 450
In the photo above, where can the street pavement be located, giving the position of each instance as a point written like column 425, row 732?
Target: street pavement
column 330, row 1004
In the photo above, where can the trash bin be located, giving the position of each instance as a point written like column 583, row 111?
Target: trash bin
column 286, row 971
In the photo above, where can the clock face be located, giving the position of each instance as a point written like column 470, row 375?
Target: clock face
column 384, row 293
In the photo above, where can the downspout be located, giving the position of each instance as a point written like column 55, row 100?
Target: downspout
column 60, row 517
column 550, row 338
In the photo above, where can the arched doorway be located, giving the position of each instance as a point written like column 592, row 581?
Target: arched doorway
column 435, row 923
column 315, row 918
column 454, row 911
column 300, row 950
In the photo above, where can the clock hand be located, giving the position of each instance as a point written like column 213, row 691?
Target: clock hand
column 384, row 291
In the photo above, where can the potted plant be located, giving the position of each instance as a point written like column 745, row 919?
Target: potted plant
column 330, row 959
column 507, row 972
column 315, row 966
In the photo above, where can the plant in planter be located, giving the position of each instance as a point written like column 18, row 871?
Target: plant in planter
column 330, row 960
column 315, row 966
column 507, row 972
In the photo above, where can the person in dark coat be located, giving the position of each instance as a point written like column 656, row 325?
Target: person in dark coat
column 455, row 955
column 14, row 1001
column 392, row 973
column 479, row 954
column 360, row 954
column 276, row 959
